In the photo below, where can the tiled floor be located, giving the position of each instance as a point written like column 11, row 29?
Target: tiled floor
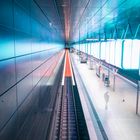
column 119, row 119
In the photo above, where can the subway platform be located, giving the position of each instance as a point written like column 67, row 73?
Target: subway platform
column 119, row 119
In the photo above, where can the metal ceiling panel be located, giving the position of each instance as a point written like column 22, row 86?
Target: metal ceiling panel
column 103, row 16
column 52, row 9
column 89, row 16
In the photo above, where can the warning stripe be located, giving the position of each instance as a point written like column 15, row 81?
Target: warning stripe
column 68, row 72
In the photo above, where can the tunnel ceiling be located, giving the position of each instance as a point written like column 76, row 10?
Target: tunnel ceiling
column 92, row 18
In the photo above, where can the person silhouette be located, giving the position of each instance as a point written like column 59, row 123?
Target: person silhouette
column 106, row 97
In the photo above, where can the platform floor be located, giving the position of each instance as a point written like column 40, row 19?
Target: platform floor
column 119, row 119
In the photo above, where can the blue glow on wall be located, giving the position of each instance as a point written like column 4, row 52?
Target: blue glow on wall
column 6, row 48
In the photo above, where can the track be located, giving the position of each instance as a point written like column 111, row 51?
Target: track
column 70, row 119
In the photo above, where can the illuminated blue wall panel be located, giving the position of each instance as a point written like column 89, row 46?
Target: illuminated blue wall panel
column 7, row 106
column 6, row 43
column 27, row 42
column 21, row 13
column 22, row 44
column 23, row 66
column 7, row 75
column 6, row 13
column 24, row 88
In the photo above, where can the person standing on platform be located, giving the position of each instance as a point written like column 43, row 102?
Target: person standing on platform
column 106, row 97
